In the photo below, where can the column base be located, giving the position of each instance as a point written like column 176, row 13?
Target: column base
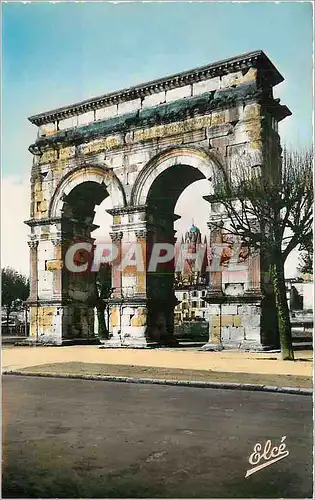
column 130, row 343
column 61, row 322
column 237, row 346
column 212, row 347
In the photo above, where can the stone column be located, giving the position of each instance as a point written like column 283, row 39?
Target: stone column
column 214, row 295
column 128, row 302
column 33, row 244
column 215, row 278
column 57, row 269
column 141, row 287
column 33, row 297
column 116, row 272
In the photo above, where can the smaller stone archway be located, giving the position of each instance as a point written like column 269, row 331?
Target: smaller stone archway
column 148, row 220
column 97, row 174
column 62, row 302
column 204, row 163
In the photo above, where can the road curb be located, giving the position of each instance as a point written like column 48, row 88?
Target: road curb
column 183, row 383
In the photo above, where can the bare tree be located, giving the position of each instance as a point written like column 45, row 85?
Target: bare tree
column 271, row 208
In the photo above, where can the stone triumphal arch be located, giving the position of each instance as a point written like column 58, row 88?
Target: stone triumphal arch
column 142, row 146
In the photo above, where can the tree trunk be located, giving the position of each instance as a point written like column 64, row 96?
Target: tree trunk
column 283, row 315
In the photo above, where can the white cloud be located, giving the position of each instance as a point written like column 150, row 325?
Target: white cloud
column 15, row 203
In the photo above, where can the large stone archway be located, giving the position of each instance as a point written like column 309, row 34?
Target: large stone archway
column 142, row 147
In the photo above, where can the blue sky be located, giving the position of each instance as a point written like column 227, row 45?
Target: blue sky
column 56, row 54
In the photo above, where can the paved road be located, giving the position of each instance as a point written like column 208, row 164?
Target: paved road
column 71, row 438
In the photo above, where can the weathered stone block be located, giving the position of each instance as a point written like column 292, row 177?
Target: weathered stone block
column 215, row 320
column 231, row 79
column 236, row 289
column 154, row 100
column 229, row 309
column 195, row 136
column 48, row 156
column 248, row 309
column 99, row 145
column 250, row 75
column 254, row 131
column 45, row 284
column 65, row 153
column 226, row 320
column 252, row 320
column 54, row 265
column 104, row 113
column 252, row 334
column 86, row 118
column 237, row 333
column 142, row 156
column 129, row 106
column 219, row 131
column 215, row 334
column 132, row 178
column 240, row 135
column 237, row 321
column 225, row 333
column 68, row 123
column 252, row 111
column 219, row 143
column 180, row 93
column 114, row 161
column 218, row 118
column 129, row 137
column 47, row 129
column 206, row 86
column 233, row 114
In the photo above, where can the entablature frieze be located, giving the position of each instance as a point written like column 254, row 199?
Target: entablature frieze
column 183, row 115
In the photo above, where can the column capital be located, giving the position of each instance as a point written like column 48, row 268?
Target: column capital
column 141, row 234
column 116, row 236
column 57, row 241
column 33, row 243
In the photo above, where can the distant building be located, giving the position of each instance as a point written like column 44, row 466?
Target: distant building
column 191, row 282
column 300, row 293
column 192, row 305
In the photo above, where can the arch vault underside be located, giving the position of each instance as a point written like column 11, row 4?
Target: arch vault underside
column 142, row 148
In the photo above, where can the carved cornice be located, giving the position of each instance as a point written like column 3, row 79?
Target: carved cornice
column 43, row 222
column 245, row 61
column 127, row 210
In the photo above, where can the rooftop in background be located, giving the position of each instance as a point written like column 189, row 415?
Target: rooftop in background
column 251, row 59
